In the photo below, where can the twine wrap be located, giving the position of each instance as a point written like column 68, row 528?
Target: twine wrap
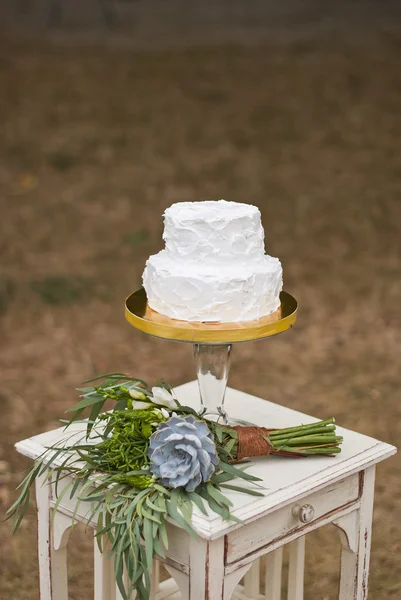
column 251, row 442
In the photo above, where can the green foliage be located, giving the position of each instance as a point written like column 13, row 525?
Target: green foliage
column 127, row 446
column 112, row 386
column 110, row 472
column 226, row 440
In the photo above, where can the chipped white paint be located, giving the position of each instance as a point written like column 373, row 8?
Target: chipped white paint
column 44, row 535
column 285, row 521
column 348, row 530
column 355, row 562
column 52, row 544
column 338, row 490
column 206, row 563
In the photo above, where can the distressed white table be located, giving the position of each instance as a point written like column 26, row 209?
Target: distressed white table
column 301, row 495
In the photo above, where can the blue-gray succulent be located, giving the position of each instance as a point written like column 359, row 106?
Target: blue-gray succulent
column 182, row 453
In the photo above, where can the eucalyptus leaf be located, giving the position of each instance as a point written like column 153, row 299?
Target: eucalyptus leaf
column 177, row 517
column 197, row 500
column 237, row 488
column 158, row 549
column 87, row 401
column 147, row 515
column 236, row 472
column 153, row 506
column 163, row 534
column 99, row 527
column 148, row 538
column 218, row 496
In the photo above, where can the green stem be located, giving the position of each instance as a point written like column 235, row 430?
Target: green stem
column 310, row 439
column 302, row 427
column 309, row 451
column 309, row 430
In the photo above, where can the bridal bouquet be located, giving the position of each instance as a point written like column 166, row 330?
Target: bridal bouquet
column 151, row 459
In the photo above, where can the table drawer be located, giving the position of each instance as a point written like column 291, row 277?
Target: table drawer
column 291, row 518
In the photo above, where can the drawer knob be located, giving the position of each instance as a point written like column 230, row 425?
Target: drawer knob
column 306, row 513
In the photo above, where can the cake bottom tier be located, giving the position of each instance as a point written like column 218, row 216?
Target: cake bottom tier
column 192, row 291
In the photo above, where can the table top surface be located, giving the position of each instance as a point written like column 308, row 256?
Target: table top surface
column 285, row 480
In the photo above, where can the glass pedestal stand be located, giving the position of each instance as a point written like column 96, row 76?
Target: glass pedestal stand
column 212, row 342
column 212, row 368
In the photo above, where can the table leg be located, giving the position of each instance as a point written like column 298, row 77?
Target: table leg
column 274, row 567
column 356, row 540
column 44, row 536
column 206, row 569
column 52, row 545
column 296, row 569
column 155, row 579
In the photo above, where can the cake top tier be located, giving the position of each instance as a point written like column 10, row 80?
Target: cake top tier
column 211, row 210
column 214, row 230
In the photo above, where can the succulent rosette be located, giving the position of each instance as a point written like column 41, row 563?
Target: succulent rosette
column 182, row 453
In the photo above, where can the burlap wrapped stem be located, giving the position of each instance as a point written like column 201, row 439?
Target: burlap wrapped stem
column 304, row 440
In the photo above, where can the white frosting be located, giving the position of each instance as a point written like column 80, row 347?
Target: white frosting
column 191, row 291
column 214, row 267
column 217, row 231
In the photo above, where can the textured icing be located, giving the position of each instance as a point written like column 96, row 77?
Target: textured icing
column 214, row 267
column 194, row 291
column 216, row 231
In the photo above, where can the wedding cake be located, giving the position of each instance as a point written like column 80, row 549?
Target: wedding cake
column 214, row 266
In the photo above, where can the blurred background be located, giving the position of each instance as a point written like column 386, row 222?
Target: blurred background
column 110, row 111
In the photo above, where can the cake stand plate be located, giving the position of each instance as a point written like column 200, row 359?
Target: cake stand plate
column 212, row 341
column 141, row 316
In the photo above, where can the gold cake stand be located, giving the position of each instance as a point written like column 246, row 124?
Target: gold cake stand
column 212, row 341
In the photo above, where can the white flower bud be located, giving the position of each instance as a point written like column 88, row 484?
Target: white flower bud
column 139, row 405
column 163, row 397
column 136, row 394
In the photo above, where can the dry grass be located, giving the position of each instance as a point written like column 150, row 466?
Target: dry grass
column 95, row 143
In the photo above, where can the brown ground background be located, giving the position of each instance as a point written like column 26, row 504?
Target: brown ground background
column 97, row 139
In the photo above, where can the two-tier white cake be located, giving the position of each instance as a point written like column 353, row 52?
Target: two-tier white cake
column 214, row 266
